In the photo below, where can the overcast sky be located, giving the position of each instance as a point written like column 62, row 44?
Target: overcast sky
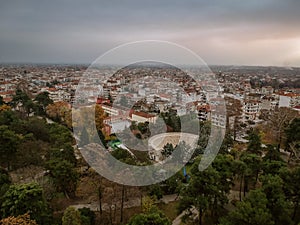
column 234, row 32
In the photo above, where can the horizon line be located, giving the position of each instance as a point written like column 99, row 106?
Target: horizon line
column 88, row 64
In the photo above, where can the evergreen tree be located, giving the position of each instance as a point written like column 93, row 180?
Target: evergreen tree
column 23, row 198
column 207, row 190
column 64, row 175
column 71, row 217
column 167, row 150
column 9, row 142
column 252, row 211
column 254, row 145
column 277, row 204
column 154, row 217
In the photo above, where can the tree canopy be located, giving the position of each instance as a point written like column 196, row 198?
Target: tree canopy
column 23, row 198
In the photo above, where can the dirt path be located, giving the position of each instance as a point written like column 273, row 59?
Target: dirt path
column 133, row 202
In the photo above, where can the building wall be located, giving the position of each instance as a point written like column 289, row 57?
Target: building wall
column 284, row 101
column 141, row 119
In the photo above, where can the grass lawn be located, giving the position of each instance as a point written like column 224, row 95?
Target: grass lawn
column 170, row 209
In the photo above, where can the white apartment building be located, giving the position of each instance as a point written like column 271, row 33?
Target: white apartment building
column 218, row 120
column 251, row 109
column 289, row 100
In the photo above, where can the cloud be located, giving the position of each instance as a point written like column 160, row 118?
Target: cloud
column 78, row 31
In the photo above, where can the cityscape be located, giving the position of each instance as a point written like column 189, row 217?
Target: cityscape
column 149, row 113
column 261, row 104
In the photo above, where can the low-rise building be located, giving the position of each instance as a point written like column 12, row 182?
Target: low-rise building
column 142, row 117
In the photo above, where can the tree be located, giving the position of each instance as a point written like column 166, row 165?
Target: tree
column 23, row 198
column 124, row 156
column 223, row 165
column 42, row 101
column 293, row 139
column 96, row 181
column 234, row 109
column 19, row 220
column 172, row 120
column 205, row 129
column 38, row 127
column 86, row 115
column 272, row 167
column 4, row 177
column 278, row 120
column 99, row 117
column 60, row 112
column 254, row 145
column 206, row 190
column 173, row 183
column 155, row 191
column 273, row 154
column 59, row 135
column 144, row 128
column 5, row 182
column 64, row 175
column 252, row 211
column 22, row 102
column 1, row 100
column 239, row 168
column 9, row 142
column 29, row 107
column 95, row 139
column 4, row 107
column 277, row 204
column 291, row 183
column 66, row 152
column 148, row 203
column 30, row 152
column 153, row 217
column 253, row 168
column 227, row 142
column 71, row 217
column 87, row 216
column 167, row 150
column 183, row 150
column 272, row 162
column 8, row 117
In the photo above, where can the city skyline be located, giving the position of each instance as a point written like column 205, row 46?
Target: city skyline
column 220, row 32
